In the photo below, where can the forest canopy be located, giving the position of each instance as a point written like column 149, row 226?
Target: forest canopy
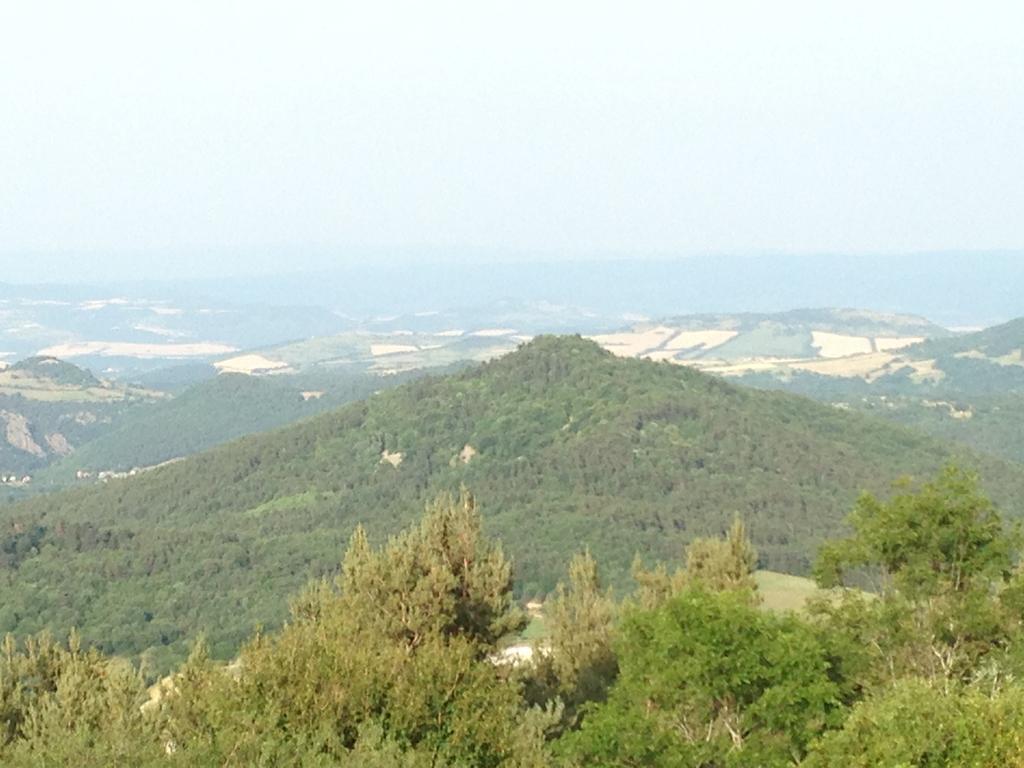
column 565, row 445
column 397, row 661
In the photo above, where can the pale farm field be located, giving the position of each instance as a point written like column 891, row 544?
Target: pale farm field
column 972, row 354
column 1013, row 358
column 782, row 592
column 135, row 349
column 855, row 365
column 839, row 345
column 704, row 339
column 248, row 364
column 740, row 367
column 662, row 354
column 377, row 350
column 66, row 394
column 634, row 343
column 492, row 332
column 925, row 370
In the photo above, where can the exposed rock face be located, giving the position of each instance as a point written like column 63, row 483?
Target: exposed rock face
column 59, row 444
column 394, row 459
column 467, row 453
column 18, row 434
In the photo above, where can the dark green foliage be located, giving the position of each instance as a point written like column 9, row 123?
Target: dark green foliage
column 713, row 563
column 69, row 706
column 947, row 598
column 389, row 666
column 394, row 664
column 709, row 680
column 986, row 419
column 574, row 447
column 395, row 652
column 441, row 578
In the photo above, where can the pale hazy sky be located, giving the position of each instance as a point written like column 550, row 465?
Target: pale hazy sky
column 204, row 130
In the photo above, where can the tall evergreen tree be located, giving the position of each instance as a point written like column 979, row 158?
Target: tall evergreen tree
column 581, row 619
column 726, row 563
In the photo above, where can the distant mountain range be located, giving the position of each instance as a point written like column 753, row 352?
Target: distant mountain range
column 965, row 288
column 124, row 328
column 565, row 445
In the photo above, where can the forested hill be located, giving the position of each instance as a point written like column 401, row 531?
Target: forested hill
column 210, row 413
column 54, row 370
column 990, row 343
column 564, row 445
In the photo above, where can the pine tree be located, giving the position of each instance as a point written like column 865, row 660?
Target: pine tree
column 721, row 564
column 582, row 619
column 711, row 563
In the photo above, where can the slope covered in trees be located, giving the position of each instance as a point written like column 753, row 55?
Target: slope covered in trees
column 967, row 389
column 57, row 371
column 397, row 661
column 49, row 407
column 994, row 342
column 567, row 446
column 213, row 412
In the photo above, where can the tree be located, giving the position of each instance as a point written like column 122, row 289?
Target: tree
column 440, row 577
column 71, row 706
column 579, row 663
column 707, row 679
column 389, row 666
column 944, row 539
column 726, row 563
column 918, row 725
column 946, row 586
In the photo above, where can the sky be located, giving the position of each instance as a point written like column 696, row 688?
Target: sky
column 157, row 139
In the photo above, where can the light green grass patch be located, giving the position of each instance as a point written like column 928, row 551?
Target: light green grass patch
column 783, row 592
column 282, row 504
column 536, row 630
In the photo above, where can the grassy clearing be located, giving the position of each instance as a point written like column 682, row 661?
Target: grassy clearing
column 537, row 629
column 782, row 592
column 46, row 390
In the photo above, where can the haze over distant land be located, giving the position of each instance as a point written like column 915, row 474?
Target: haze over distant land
column 733, row 127
column 954, row 289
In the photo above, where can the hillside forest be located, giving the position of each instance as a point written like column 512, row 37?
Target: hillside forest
column 566, row 446
column 397, row 661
